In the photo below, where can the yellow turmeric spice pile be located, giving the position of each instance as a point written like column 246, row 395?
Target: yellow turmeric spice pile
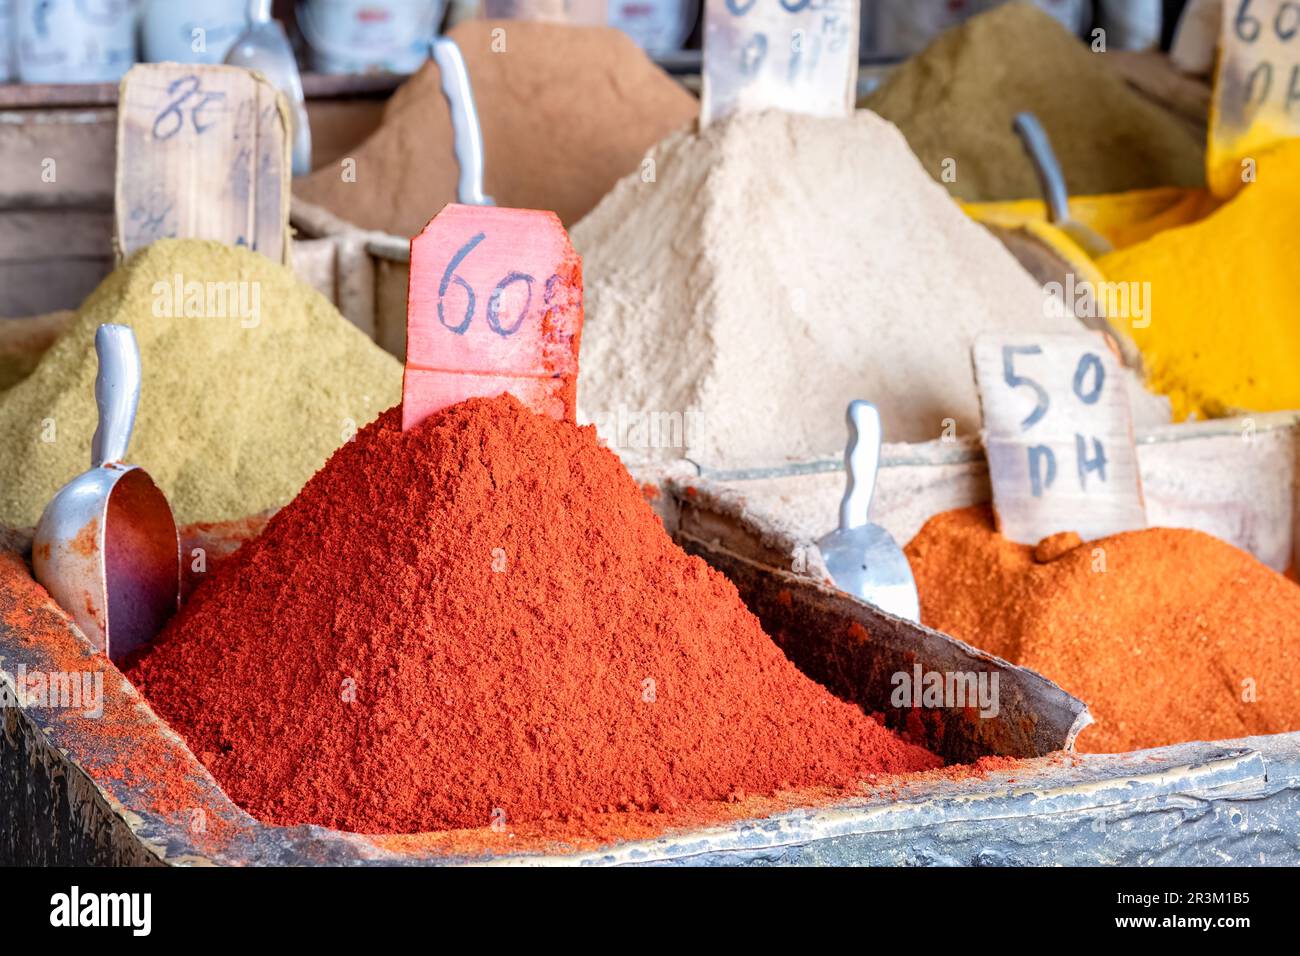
column 1223, row 333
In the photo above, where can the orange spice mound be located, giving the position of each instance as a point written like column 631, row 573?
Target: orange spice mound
column 1168, row 635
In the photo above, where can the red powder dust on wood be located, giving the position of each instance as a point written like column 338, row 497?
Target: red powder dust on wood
column 478, row 621
column 118, row 745
column 1167, row 634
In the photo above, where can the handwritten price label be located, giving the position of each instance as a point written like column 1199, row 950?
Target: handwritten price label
column 202, row 153
column 494, row 305
column 1256, row 100
column 1058, row 435
column 795, row 55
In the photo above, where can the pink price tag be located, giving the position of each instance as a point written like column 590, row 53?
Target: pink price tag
column 494, row 305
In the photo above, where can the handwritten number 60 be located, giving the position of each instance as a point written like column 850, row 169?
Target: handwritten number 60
column 494, row 304
column 449, row 276
column 494, row 300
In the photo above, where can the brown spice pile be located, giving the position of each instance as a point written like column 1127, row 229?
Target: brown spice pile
column 1168, row 635
column 565, row 112
column 955, row 102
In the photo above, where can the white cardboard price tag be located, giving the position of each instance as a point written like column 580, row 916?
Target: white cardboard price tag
column 1059, row 436
column 202, row 153
column 1256, row 99
column 795, row 55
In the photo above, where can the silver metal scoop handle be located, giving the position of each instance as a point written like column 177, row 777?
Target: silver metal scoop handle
column 264, row 47
column 1035, row 140
column 117, row 392
column 861, row 462
column 464, row 122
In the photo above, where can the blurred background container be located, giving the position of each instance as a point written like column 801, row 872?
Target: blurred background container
column 74, row 41
column 89, row 41
column 196, row 31
column 363, row 36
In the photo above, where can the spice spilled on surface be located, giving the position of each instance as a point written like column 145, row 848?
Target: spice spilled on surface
column 482, row 619
column 1169, row 635
column 126, row 757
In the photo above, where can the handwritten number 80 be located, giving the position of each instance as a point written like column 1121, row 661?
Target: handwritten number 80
column 449, row 276
column 185, row 90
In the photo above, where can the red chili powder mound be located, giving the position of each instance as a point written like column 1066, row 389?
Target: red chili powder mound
column 1167, row 634
column 483, row 616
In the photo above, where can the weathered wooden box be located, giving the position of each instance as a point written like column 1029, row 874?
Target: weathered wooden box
column 130, row 792
column 56, row 208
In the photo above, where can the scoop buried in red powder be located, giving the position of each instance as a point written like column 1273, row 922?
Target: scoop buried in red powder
column 482, row 620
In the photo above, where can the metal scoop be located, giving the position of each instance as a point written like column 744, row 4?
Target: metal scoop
column 106, row 547
column 467, row 136
column 862, row 557
column 1039, row 147
column 264, row 47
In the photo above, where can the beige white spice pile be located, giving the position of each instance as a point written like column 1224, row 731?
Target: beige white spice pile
column 775, row 268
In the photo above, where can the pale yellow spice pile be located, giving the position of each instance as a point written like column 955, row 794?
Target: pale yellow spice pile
column 236, row 411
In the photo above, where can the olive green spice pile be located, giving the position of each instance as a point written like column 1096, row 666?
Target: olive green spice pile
column 956, row 101
column 251, row 379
